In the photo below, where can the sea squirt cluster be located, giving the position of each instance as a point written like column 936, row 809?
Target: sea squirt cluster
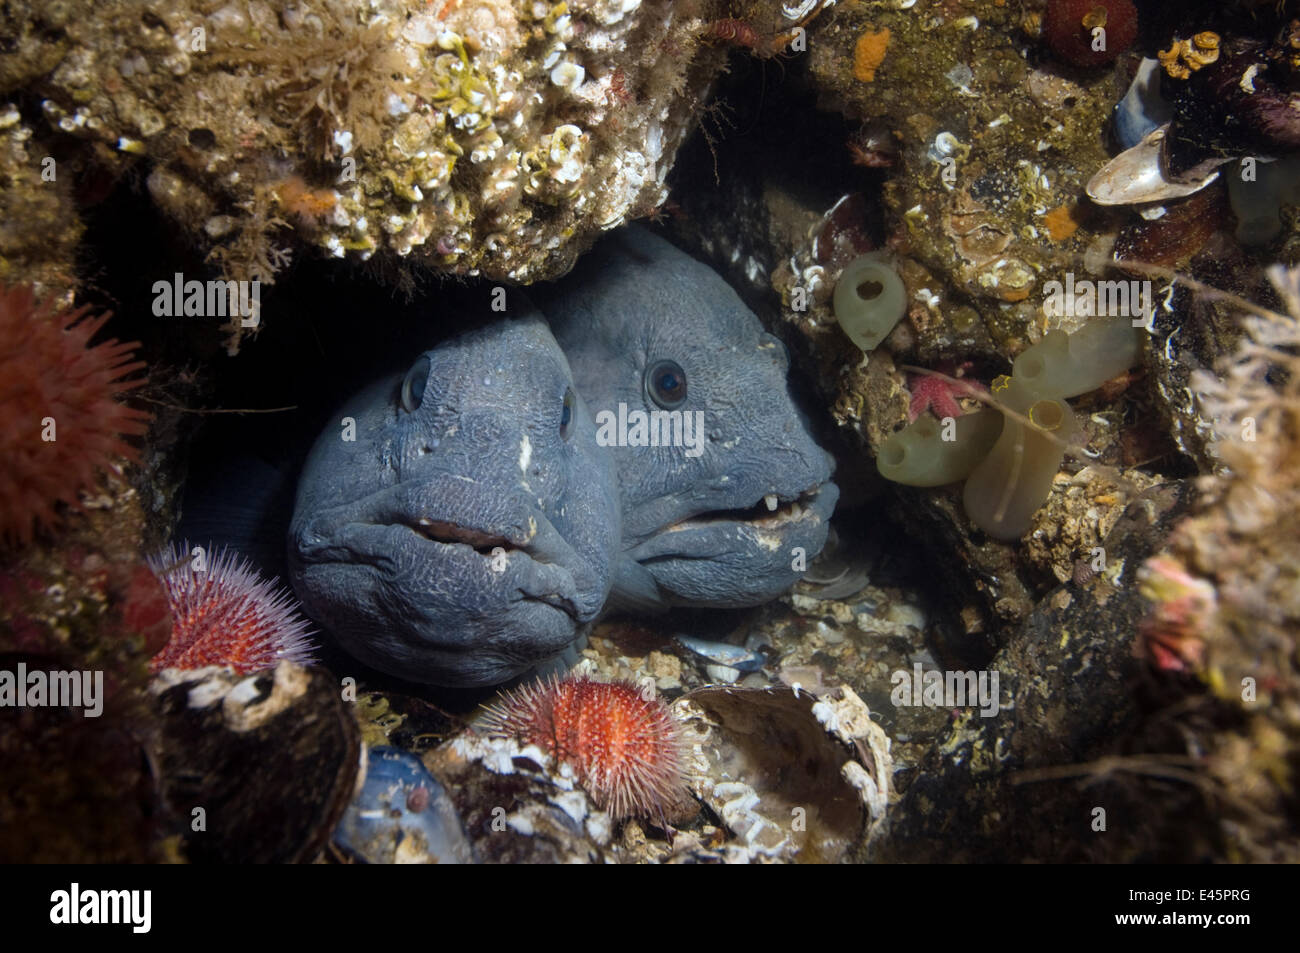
column 1009, row 455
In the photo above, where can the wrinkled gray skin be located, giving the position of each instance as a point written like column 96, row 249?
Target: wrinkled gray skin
column 392, row 538
column 696, row 531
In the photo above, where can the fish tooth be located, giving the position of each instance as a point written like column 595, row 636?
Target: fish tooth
column 771, row 502
column 796, row 511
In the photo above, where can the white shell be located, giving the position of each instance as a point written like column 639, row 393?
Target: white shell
column 1136, row 176
column 798, row 9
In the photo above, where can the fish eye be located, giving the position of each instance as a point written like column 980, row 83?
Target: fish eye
column 665, row 383
column 413, row 385
column 566, row 414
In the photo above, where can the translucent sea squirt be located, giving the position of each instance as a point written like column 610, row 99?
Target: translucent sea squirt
column 1011, row 483
column 870, row 298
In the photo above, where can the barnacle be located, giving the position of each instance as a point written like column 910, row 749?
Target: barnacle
column 554, row 171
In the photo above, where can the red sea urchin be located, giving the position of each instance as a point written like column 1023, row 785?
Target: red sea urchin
column 624, row 746
column 226, row 614
column 1070, row 27
column 60, row 417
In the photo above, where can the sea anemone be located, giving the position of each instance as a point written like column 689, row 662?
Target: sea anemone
column 60, row 416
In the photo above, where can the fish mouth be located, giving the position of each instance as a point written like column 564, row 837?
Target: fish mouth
column 771, row 511
column 736, row 558
column 448, row 533
column 513, row 554
column 770, row 523
column 535, row 541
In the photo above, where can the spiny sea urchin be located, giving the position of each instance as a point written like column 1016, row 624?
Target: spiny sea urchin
column 225, row 613
column 60, row 418
column 624, row 746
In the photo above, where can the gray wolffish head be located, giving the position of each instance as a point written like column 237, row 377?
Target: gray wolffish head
column 718, row 516
column 468, row 533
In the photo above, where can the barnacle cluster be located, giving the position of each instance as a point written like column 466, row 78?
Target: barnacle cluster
column 489, row 137
column 39, row 228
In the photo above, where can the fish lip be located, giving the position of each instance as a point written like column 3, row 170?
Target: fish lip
column 717, row 498
column 757, row 514
column 544, row 547
column 446, row 532
column 551, row 575
column 541, row 542
column 815, row 509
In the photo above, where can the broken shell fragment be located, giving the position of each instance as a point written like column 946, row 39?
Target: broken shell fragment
column 788, row 774
column 1138, row 175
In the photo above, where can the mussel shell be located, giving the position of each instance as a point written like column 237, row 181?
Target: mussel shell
column 1137, row 176
column 1142, row 110
column 403, row 813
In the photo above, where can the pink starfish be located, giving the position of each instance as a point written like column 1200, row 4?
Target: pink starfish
column 938, row 395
